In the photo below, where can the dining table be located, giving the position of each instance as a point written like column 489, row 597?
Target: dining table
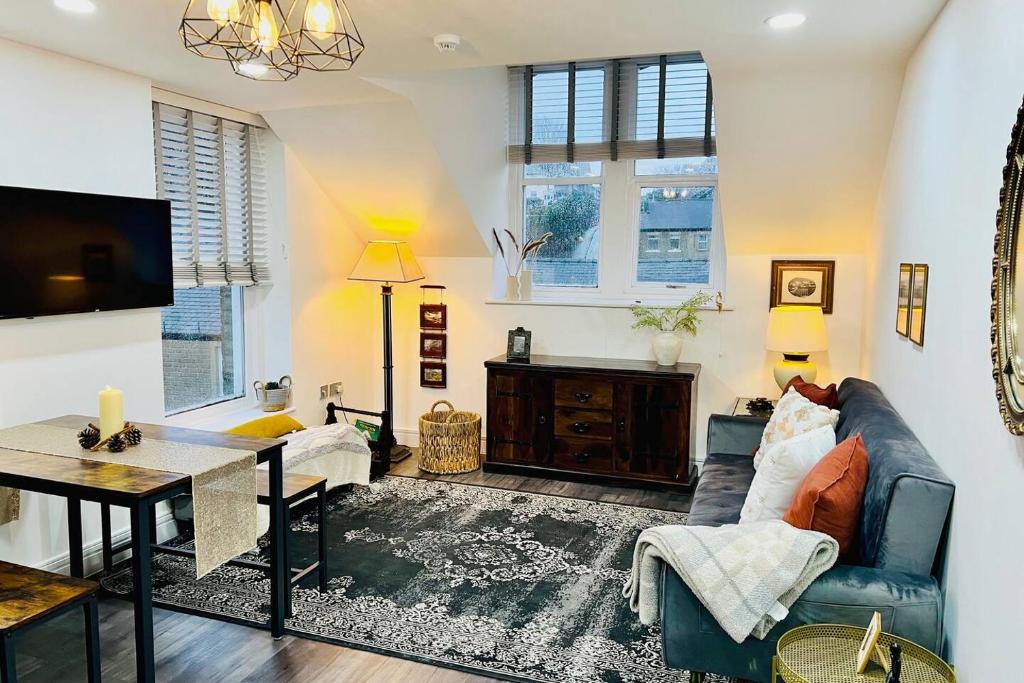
column 139, row 489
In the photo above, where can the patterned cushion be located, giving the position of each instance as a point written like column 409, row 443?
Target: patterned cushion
column 785, row 466
column 793, row 415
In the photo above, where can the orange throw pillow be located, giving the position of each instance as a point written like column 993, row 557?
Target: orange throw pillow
column 830, row 497
column 827, row 396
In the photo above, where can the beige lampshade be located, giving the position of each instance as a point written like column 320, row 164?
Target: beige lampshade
column 387, row 261
column 796, row 329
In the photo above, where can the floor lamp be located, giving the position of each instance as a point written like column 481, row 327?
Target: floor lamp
column 388, row 263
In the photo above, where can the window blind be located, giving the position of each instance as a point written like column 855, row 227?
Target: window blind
column 635, row 108
column 212, row 171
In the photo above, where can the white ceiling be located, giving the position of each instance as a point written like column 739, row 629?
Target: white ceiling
column 140, row 36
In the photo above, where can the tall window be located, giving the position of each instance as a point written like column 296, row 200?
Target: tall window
column 617, row 157
column 211, row 169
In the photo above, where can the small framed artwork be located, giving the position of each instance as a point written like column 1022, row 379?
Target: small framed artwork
column 918, row 303
column 434, row 316
column 433, row 375
column 519, row 341
column 869, row 646
column 903, row 299
column 803, row 283
column 433, row 345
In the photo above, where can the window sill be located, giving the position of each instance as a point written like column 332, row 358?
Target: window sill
column 227, row 417
column 593, row 303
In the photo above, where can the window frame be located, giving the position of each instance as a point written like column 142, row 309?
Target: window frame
column 619, row 225
column 716, row 244
column 517, row 186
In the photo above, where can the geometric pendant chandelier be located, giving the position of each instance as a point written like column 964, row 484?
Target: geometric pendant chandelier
column 272, row 40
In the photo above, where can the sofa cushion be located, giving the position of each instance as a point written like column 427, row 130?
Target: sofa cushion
column 907, row 497
column 783, row 469
column 793, row 415
column 723, row 486
column 831, row 494
column 823, row 396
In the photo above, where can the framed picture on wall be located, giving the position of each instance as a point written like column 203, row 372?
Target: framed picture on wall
column 903, row 299
column 433, row 375
column 803, row 283
column 918, row 303
column 433, row 345
column 434, row 316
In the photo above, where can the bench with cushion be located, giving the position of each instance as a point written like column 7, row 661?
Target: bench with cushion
column 902, row 521
column 31, row 595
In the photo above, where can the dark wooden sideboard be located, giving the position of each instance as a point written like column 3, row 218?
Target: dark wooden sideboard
column 592, row 419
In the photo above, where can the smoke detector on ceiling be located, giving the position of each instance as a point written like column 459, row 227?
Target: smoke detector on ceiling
column 446, row 42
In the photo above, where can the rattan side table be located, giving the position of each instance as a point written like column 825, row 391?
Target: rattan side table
column 827, row 653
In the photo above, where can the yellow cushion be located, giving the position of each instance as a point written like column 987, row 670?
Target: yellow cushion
column 268, row 427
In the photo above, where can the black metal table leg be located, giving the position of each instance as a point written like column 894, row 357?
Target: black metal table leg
column 280, row 577
column 142, row 593
column 108, row 547
column 75, row 556
column 321, row 523
column 92, row 638
column 152, row 523
column 7, row 671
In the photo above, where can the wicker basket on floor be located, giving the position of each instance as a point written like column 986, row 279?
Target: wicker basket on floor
column 449, row 440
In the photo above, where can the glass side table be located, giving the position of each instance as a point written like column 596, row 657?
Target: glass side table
column 740, row 408
column 827, row 653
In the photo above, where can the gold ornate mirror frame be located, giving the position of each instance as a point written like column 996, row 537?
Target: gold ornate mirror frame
column 1008, row 287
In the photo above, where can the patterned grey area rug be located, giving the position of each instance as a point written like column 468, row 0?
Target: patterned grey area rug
column 507, row 584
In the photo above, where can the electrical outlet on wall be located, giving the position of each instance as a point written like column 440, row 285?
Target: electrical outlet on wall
column 337, row 389
column 324, row 391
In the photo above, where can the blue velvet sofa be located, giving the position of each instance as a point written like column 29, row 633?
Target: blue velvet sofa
column 906, row 505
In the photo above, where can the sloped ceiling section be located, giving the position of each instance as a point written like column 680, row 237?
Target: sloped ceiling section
column 377, row 162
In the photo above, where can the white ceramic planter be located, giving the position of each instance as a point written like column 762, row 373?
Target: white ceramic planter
column 667, row 347
column 526, row 285
column 511, row 288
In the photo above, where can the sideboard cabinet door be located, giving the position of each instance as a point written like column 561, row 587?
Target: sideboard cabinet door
column 518, row 418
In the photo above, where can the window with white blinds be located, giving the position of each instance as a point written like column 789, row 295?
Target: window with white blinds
column 637, row 108
column 212, row 171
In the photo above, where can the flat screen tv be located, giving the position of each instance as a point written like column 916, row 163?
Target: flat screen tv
column 67, row 252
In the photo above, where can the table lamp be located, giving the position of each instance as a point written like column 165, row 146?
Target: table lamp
column 388, row 262
column 796, row 332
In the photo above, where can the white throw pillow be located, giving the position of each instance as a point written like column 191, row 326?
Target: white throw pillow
column 783, row 469
column 793, row 415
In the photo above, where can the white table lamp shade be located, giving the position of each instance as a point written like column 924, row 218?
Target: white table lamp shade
column 796, row 330
column 387, row 261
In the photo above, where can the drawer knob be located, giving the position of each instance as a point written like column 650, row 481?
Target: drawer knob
column 581, row 427
column 543, row 419
column 582, row 396
column 582, row 456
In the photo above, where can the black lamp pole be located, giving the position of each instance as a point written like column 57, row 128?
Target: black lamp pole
column 398, row 452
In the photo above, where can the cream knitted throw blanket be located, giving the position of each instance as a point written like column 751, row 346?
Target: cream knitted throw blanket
column 746, row 575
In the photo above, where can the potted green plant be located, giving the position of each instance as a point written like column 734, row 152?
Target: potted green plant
column 670, row 322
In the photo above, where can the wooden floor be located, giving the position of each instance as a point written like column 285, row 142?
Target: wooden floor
column 192, row 648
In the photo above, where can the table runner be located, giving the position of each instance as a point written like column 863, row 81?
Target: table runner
column 223, row 483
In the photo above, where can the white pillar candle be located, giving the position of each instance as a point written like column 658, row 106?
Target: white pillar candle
column 111, row 411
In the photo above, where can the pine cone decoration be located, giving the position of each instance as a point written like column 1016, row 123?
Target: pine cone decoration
column 88, row 437
column 133, row 437
column 116, row 443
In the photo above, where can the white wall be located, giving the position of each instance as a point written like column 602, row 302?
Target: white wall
column 68, row 125
column 333, row 320
column 938, row 206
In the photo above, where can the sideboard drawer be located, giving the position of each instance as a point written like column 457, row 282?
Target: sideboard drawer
column 583, row 455
column 590, row 424
column 583, row 393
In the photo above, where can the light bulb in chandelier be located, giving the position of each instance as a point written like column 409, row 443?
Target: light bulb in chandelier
column 320, row 19
column 265, row 33
column 223, row 12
